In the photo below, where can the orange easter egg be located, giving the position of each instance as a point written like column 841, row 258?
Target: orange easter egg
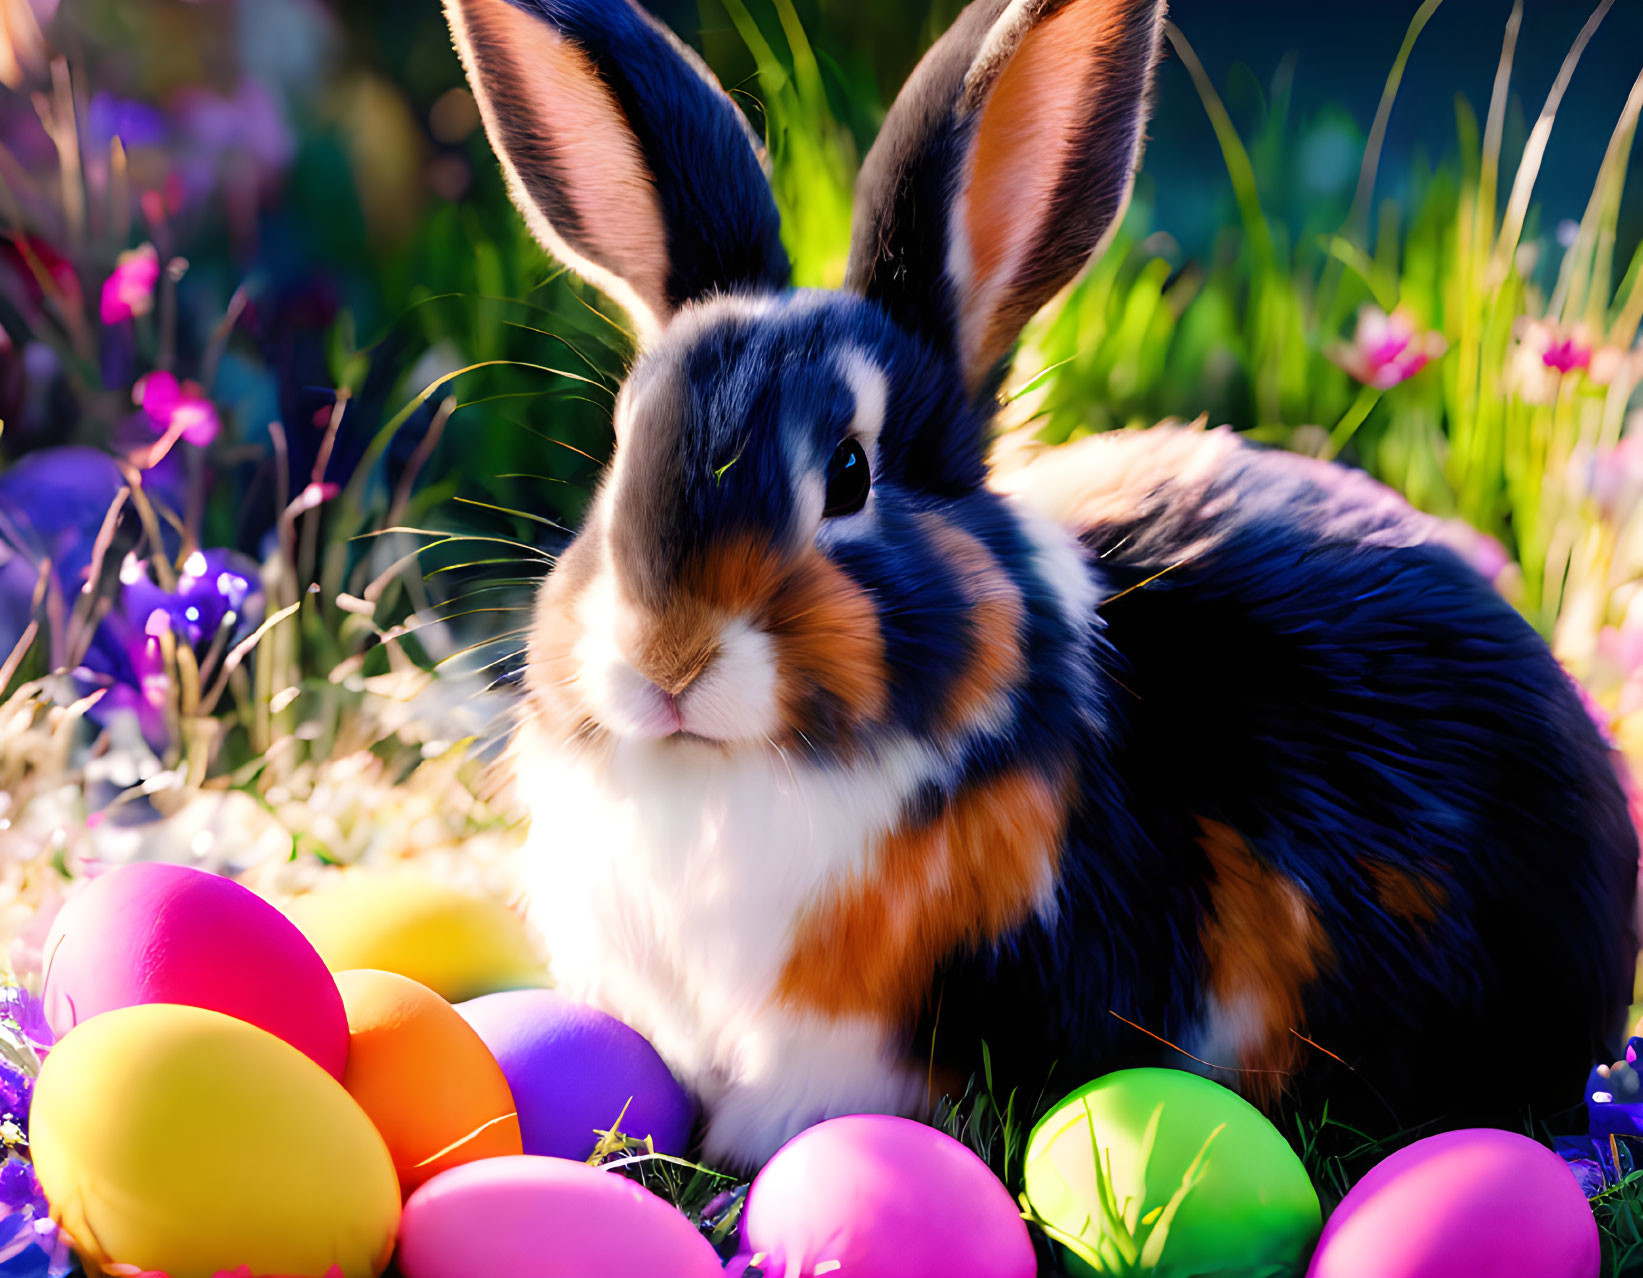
column 431, row 1086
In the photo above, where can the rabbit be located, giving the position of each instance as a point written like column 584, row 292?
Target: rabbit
column 847, row 756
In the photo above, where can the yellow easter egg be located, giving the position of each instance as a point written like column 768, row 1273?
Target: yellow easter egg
column 182, row 1140
column 457, row 944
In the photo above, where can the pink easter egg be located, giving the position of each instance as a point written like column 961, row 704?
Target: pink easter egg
column 1470, row 1204
column 870, row 1196
column 151, row 932
column 549, row 1218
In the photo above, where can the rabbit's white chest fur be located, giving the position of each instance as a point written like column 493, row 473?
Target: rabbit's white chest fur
column 667, row 883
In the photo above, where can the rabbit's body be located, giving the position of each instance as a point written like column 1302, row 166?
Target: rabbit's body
column 1343, row 798
column 843, row 761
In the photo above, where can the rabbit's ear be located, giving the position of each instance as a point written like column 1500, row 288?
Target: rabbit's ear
column 628, row 161
column 1003, row 167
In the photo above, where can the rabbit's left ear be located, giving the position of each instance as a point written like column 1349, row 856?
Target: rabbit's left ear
column 1003, row 167
column 628, row 161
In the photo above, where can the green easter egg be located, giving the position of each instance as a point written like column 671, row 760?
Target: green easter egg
column 1160, row 1172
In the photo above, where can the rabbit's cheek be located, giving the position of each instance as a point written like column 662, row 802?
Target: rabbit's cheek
column 829, row 651
column 555, row 667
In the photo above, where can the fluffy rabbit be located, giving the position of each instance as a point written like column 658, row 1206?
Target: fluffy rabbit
column 844, row 761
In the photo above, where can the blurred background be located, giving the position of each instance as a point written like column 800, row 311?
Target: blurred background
column 319, row 166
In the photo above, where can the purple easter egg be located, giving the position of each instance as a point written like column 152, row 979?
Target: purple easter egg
column 572, row 1069
column 548, row 1218
column 870, row 1196
column 1470, row 1204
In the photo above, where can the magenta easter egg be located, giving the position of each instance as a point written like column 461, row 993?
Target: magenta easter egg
column 1470, row 1204
column 549, row 1218
column 150, row 932
column 871, row 1196
column 573, row 1070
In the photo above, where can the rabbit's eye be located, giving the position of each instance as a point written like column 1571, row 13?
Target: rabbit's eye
column 847, row 480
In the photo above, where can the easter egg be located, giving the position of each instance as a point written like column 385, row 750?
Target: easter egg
column 187, row 1142
column 880, row 1197
column 1173, row 1169
column 574, row 1070
column 457, row 944
column 150, row 932
column 1469, row 1204
column 431, row 1087
column 549, row 1218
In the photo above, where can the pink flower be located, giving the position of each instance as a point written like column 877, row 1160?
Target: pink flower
column 1617, row 661
column 1613, row 478
column 1595, row 712
column 1387, row 349
column 129, row 290
column 1612, row 364
column 1567, row 353
column 1543, row 353
column 177, row 408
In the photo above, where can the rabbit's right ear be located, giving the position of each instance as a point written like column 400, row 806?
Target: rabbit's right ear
column 628, row 161
column 1001, row 169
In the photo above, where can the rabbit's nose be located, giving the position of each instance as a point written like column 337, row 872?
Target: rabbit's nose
column 672, row 681
column 669, row 657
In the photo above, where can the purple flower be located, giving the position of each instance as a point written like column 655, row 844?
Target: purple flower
column 1591, row 1161
column 214, row 588
column 218, row 597
column 49, row 499
column 31, row 1246
column 18, row 1186
column 1588, row 1173
column 1387, row 349
column 129, row 290
column 245, row 135
column 52, row 503
column 134, row 123
column 30, row 1243
column 23, row 1020
column 16, row 1091
column 1614, row 1097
